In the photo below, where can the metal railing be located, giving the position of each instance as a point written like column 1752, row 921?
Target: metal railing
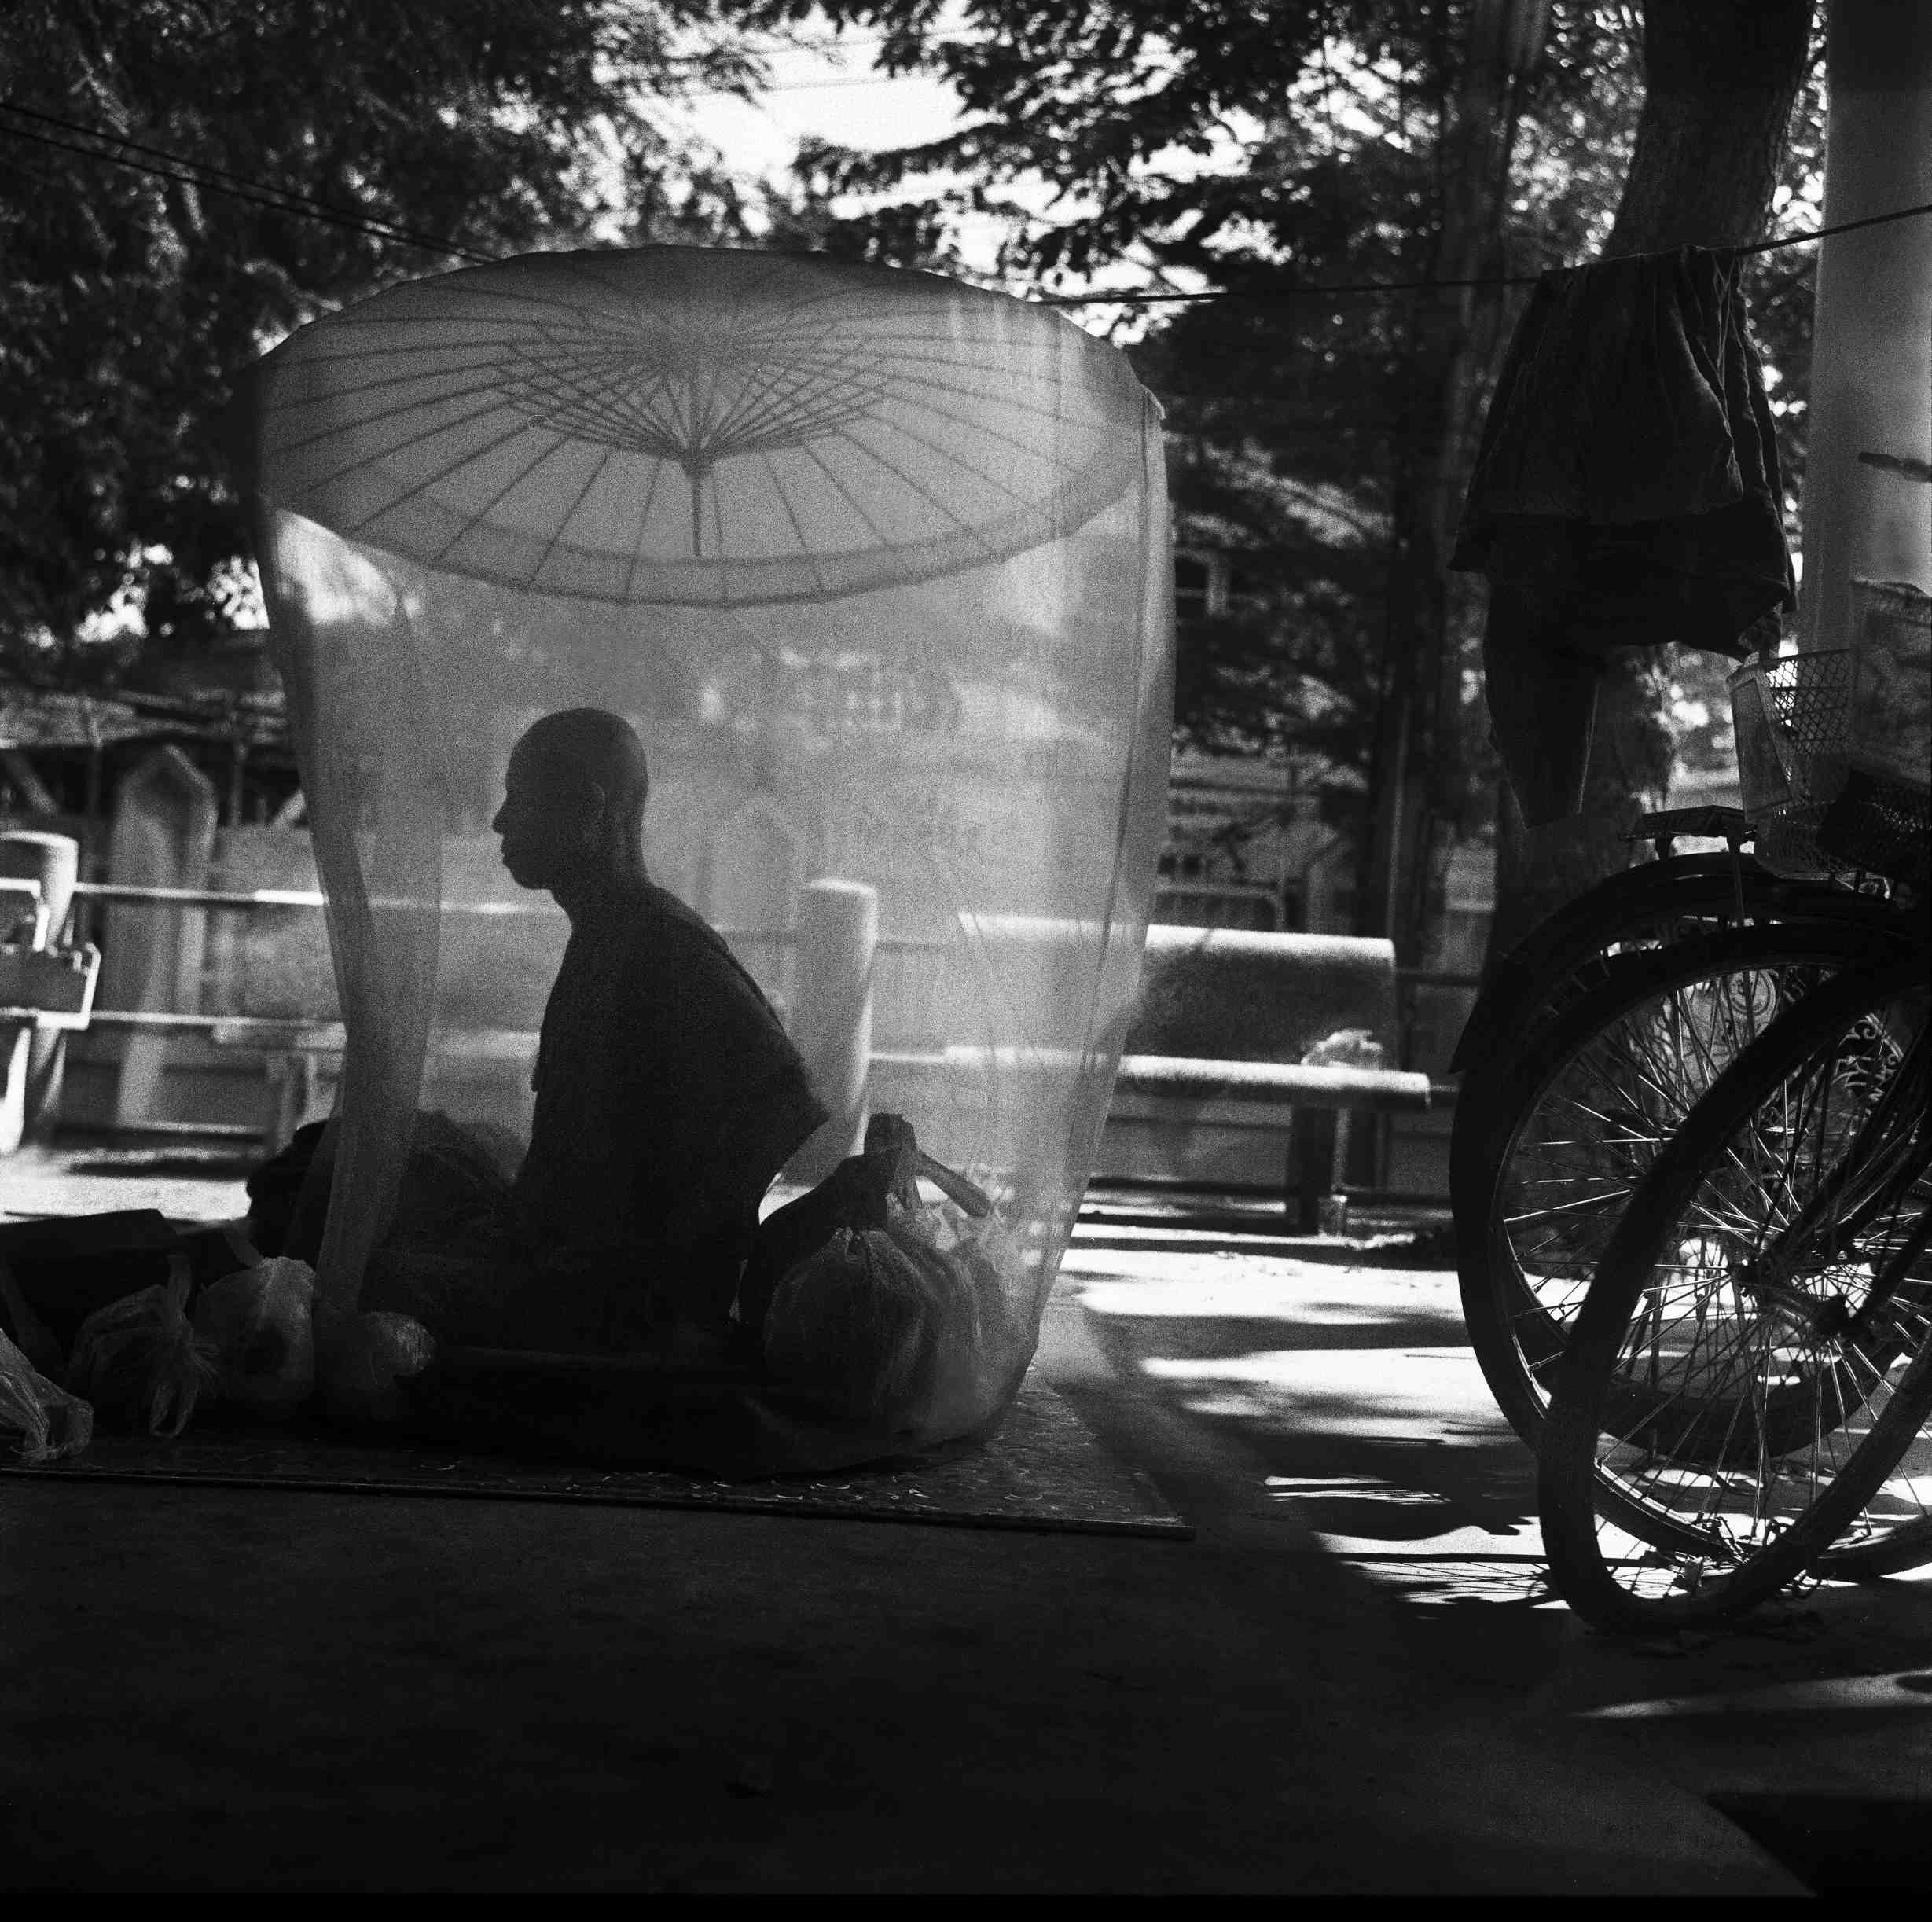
column 323, row 1031
column 256, row 899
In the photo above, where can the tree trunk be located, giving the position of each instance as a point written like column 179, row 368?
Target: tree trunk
column 1454, row 339
column 1720, row 79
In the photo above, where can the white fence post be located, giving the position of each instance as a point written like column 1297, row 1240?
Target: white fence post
column 31, row 1065
column 163, row 836
column 832, row 1023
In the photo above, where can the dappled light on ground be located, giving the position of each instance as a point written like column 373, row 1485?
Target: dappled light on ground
column 1361, row 1420
column 1906, row 1692
column 1354, row 1390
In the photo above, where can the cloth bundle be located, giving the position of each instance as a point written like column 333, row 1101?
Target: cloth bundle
column 907, row 1329
column 1626, row 494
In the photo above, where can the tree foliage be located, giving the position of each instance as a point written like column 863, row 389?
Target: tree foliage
column 1265, row 150
column 132, row 301
column 1268, row 150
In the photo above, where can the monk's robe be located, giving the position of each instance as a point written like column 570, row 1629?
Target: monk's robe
column 668, row 1098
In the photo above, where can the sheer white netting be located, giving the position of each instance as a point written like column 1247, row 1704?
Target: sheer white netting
column 875, row 563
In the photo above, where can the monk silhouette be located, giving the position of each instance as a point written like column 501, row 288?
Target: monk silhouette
column 668, row 1095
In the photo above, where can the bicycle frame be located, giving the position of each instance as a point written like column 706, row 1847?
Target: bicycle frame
column 1892, row 1149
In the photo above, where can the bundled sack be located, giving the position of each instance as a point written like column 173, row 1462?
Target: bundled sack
column 140, row 1361
column 258, row 1323
column 849, row 1327
column 456, row 1183
column 908, row 1327
column 363, row 1361
column 983, row 1337
column 51, row 1422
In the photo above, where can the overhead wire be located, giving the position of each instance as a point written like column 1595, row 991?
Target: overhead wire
column 806, row 86
column 1318, row 288
column 209, row 179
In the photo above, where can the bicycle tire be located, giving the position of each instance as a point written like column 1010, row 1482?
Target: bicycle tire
column 1654, row 900
column 1572, row 1482
column 1516, row 1332
column 1904, row 1549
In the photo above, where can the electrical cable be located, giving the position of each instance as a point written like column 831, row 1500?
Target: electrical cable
column 1318, row 289
column 756, row 94
column 217, row 180
column 210, row 179
column 307, row 200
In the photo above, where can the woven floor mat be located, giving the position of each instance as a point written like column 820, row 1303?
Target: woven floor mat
column 1044, row 1471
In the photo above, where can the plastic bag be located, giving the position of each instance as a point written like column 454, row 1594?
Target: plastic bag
column 1348, row 1047
column 981, row 1339
column 52, row 1422
column 994, row 1270
column 139, row 1360
column 258, row 1323
column 909, row 1327
column 363, row 1361
column 849, row 1325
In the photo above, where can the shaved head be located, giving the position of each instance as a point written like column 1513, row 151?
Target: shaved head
column 574, row 791
column 579, row 746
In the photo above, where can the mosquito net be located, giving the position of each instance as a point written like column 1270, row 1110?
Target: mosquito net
column 875, row 565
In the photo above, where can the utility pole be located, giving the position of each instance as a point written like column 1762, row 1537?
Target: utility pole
column 1871, row 352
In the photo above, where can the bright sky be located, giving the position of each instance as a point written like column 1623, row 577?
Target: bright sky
column 832, row 87
column 833, row 91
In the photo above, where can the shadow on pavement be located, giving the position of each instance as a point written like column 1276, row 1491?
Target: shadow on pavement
column 1355, row 1395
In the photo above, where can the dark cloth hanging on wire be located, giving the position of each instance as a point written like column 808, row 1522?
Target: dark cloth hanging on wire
column 1626, row 494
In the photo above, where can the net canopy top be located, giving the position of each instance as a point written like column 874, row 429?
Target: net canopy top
column 685, row 426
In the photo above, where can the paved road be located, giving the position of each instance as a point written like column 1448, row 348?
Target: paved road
column 1353, row 1680
column 1332, row 1399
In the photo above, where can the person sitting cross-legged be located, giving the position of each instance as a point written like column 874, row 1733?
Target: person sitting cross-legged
column 668, row 1095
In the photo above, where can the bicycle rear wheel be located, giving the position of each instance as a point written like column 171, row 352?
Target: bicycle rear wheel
column 1546, row 1156
column 1770, row 1291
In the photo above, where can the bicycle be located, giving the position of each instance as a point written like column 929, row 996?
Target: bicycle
column 1562, row 1131
column 1747, row 1383
column 1596, row 1037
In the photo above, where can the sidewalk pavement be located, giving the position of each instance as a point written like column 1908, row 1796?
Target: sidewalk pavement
column 1351, row 1405
column 1322, row 1693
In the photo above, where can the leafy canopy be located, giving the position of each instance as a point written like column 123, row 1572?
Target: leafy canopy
column 1268, row 150
column 133, row 301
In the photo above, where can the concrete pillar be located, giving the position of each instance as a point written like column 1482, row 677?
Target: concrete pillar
column 1871, row 352
column 163, row 836
column 832, row 1025
column 31, row 1064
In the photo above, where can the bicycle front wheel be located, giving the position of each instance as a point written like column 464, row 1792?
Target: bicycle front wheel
column 1748, row 1379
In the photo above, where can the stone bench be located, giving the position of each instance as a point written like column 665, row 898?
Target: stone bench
column 1213, row 1088
column 1213, row 1085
